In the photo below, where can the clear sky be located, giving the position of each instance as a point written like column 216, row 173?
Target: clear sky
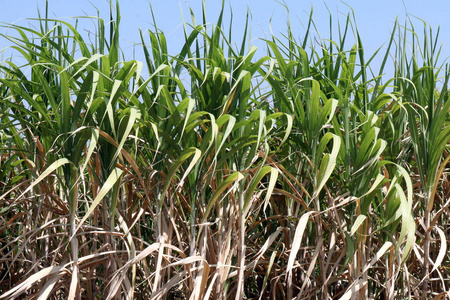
column 375, row 19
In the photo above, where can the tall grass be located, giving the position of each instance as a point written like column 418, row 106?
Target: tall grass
column 224, row 173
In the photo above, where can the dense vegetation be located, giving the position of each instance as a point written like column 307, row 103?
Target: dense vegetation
column 223, row 173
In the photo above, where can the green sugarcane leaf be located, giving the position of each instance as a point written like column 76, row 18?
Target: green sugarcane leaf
column 107, row 186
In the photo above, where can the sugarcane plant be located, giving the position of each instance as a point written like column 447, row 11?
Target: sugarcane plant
column 226, row 171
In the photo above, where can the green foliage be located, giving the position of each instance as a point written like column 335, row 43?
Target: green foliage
column 224, row 173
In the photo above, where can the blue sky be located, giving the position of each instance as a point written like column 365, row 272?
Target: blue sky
column 375, row 19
